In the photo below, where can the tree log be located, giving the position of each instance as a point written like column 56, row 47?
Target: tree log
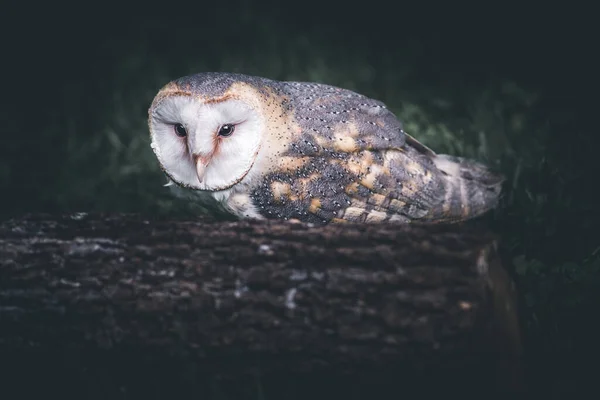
column 228, row 299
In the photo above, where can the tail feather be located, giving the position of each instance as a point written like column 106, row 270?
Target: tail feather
column 472, row 189
column 465, row 189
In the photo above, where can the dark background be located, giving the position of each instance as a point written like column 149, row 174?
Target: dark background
column 513, row 86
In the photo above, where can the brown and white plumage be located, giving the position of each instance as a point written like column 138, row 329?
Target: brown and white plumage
column 308, row 151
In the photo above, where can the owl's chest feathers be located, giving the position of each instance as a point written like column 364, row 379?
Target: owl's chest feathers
column 237, row 201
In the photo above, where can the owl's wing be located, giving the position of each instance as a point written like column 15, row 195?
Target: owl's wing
column 366, row 168
column 337, row 119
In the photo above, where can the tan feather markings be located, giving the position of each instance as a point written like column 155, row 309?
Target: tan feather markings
column 170, row 89
column 315, row 206
column 320, row 140
column 369, row 181
column 301, row 186
column 409, row 190
column 376, row 216
column 416, row 170
column 214, row 100
column 291, row 163
column 345, row 144
column 339, row 221
column 280, row 190
column 352, row 188
column 399, row 218
column 379, row 200
column 354, row 166
column 241, row 90
column 354, row 214
column 448, row 199
column 359, row 163
column 464, row 200
column 396, row 205
column 277, row 140
column 342, row 130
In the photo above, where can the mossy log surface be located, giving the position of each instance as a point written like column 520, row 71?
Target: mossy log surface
column 235, row 298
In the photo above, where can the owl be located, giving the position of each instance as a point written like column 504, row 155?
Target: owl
column 310, row 152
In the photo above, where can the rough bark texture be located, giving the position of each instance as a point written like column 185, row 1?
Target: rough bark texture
column 236, row 298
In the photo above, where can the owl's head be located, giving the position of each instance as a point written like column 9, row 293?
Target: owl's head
column 206, row 131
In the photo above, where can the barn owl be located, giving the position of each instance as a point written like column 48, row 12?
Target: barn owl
column 310, row 152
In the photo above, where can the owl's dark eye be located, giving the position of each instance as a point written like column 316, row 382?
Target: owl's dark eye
column 180, row 130
column 226, row 130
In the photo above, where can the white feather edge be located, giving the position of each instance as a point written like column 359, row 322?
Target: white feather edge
column 448, row 166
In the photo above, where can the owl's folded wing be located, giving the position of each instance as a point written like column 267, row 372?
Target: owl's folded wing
column 365, row 168
column 335, row 119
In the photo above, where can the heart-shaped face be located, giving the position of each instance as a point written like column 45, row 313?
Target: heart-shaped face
column 205, row 145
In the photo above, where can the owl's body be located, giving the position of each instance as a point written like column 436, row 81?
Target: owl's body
column 307, row 151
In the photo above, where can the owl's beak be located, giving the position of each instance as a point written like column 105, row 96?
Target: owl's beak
column 200, row 167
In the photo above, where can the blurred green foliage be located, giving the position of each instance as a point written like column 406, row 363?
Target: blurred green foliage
column 93, row 150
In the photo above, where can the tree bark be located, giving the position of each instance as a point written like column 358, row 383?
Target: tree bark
column 236, row 298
